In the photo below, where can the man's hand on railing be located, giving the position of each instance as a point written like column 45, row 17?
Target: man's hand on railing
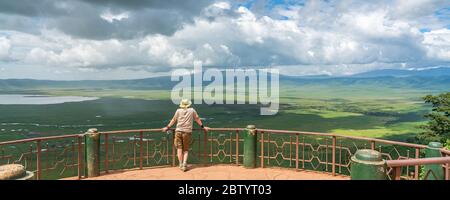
column 206, row 128
column 165, row 129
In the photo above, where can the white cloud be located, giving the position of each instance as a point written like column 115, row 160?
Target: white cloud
column 327, row 38
column 437, row 43
column 413, row 9
column 217, row 9
column 161, row 52
column 222, row 5
column 54, row 48
column 5, row 45
column 76, row 56
column 109, row 17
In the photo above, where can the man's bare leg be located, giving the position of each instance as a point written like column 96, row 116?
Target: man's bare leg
column 185, row 157
column 180, row 156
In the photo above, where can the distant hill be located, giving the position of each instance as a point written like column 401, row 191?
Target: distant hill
column 148, row 83
column 433, row 72
column 441, row 83
column 432, row 79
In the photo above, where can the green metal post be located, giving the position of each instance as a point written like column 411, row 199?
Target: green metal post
column 433, row 171
column 250, row 147
column 367, row 164
column 92, row 153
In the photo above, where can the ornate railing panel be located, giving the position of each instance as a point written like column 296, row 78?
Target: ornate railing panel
column 151, row 147
column 63, row 156
column 47, row 157
column 331, row 153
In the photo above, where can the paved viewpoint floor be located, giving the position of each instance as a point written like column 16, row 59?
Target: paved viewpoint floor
column 217, row 172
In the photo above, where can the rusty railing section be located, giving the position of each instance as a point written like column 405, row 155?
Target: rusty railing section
column 61, row 156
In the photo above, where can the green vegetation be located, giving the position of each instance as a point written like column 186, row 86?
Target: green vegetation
column 438, row 126
column 382, row 107
column 393, row 114
column 402, row 128
column 365, row 108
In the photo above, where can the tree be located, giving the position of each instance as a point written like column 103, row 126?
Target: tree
column 438, row 127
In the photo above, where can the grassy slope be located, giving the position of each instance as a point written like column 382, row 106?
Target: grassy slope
column 365, row 110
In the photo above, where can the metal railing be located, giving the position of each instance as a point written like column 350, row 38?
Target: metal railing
column 63, row 156
column 398, row 164
column 331, row 153
column 55, row 156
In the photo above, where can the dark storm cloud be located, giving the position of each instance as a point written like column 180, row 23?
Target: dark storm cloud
column 33, row 8
column 193, row 6
column 89, row 24
column 82, row 18
column 18, row 23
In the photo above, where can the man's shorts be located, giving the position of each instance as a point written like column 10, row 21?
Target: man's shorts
column 182, row 140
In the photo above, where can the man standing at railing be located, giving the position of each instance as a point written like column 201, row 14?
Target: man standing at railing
column 184, row 117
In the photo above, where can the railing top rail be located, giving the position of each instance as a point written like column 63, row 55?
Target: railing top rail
column 226, row 129
column 233, row 129
column 131, row 131
column 160, row 130
column 445, row 151
column 40, row 139
column 419, row 161
column 346, row 136
column 101, row 132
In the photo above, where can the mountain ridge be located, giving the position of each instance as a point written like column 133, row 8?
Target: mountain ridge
column 431, row 72
column 429, row 79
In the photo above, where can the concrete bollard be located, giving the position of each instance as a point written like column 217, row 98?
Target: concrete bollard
column 250, row 147
column 367, row 164
column 92, row 153
column 433, row 171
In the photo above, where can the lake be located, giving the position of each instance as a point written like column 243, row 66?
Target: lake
column 20, row 99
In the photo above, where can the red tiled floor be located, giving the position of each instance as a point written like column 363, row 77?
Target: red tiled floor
column 217, row 172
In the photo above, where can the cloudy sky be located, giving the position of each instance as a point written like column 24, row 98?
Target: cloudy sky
column 118, row 39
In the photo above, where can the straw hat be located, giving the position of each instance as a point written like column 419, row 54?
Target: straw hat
column 185, row 103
